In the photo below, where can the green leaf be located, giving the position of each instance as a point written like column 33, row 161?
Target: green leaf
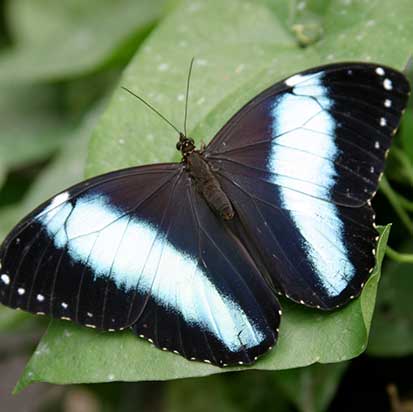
column 246, row 392
column 311, row 389
column 2, row 173
column 303, row 19
column 230, row 47
column 240, row 48
column 395, row 201
column 370, row 30
column 56, row 40
column 31, row 126
column 235, row 60
column 66, row 169
column 392, row 328
column 71, row 354
column 10, row 318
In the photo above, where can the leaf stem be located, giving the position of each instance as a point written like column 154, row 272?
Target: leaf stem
column 406, row 204
column 399, row 257
column 405, row 162
column 394, row 200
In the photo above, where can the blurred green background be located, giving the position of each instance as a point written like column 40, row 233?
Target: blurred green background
column 63, row 116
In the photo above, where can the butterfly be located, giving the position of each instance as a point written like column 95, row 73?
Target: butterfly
column 191, row 256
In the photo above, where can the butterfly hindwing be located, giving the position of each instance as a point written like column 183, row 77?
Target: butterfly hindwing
column 300, row 163
column 315, row 252
column 208, row 300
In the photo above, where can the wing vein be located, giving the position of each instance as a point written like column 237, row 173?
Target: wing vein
column 166, row 209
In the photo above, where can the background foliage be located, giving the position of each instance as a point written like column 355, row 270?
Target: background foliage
column 64, row 116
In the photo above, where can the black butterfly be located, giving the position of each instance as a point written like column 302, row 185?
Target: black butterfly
column 190, row 255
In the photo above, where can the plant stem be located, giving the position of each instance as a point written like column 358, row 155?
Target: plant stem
column 406, row 204
column 394, row 200
column 405, row 162
column 399, row 257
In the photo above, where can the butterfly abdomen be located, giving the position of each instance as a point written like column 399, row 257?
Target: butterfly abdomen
column 208, row 185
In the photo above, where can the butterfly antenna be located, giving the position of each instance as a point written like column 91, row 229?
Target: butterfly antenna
column 187, row 93
column 153, row 109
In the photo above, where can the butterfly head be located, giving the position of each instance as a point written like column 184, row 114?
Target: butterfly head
column 185, row 145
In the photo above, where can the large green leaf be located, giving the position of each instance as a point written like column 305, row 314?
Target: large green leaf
column 66, row 169
column 65, row 38
column 71, row 354
column 232, row 42
column 304, row 19
column 240, row 48
column 2, row 173
column 31, row 125
column 10, row 318
column 243, row 392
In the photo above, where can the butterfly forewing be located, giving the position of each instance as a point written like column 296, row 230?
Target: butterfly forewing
column 300, row 163
column 77, row 256
column 141, row 247
column 323, row 132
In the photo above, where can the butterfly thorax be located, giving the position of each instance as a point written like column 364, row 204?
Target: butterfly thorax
column 208, row 185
